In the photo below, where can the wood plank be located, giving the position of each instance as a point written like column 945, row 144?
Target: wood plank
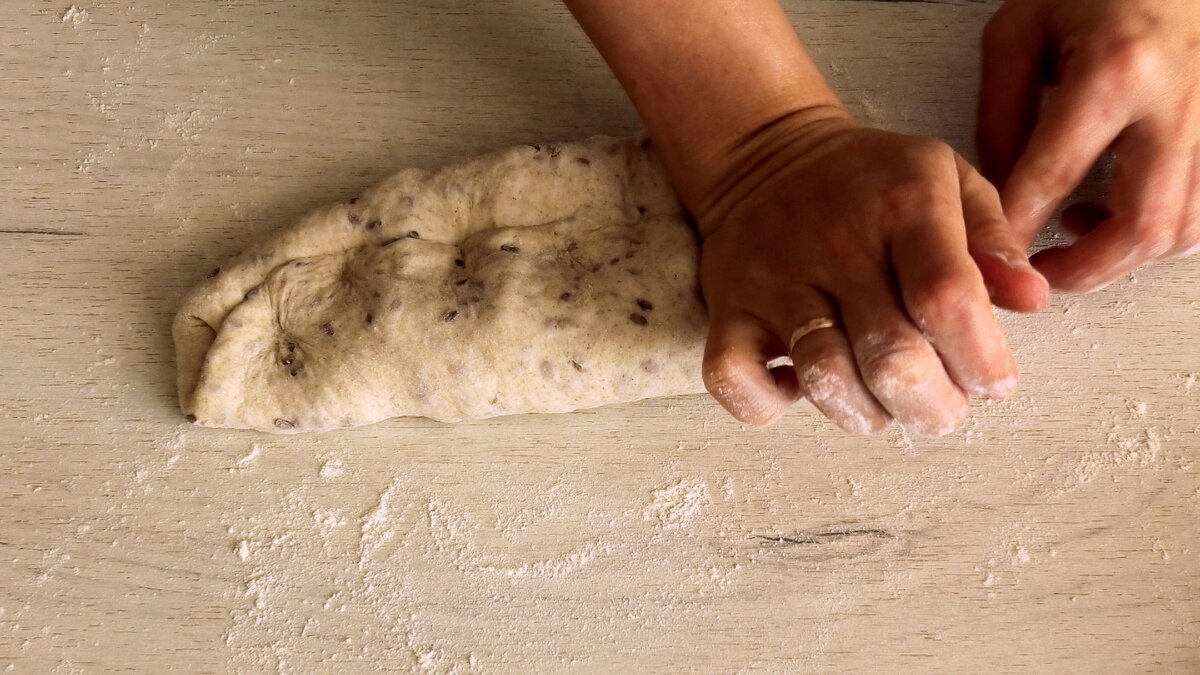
column 145, row 143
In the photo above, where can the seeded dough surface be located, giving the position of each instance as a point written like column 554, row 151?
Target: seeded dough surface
column 545, row 278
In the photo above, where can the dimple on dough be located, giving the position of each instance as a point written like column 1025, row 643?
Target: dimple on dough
column 546, row 278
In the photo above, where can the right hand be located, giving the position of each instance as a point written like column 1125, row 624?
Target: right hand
column 826, row 219
column 1126, row 77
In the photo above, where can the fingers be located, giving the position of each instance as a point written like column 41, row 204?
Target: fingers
column 897, row 363
column 1084, row 116
column 829, row 378
column 735, row 372
column 824, row 371
column 1148, row 206
column 824, row 364
column 944, row 294
column 1010, row 89
column 1011, row 281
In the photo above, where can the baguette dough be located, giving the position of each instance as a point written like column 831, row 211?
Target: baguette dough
column 545, row 278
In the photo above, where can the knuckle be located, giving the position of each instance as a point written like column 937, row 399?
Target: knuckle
column 1128, row 56
column 906, row 199
column 895, row 366
column 923, row 166
column 945, row 298
column 903, row 374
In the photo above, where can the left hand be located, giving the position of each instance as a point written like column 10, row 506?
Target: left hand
column 1127, row 79
column 871, row 234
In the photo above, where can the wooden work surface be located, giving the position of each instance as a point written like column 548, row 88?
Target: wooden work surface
column 145, row 142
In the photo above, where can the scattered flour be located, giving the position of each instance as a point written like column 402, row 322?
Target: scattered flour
column 1133, row 439
column 368, row 586
column 332, row 468
column 187, row 124
column 244, row 462
column 76, row 16
column 343, row 586
column 1129, row 447
column 676, row 505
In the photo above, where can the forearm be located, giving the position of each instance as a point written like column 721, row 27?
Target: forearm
column 706, row 75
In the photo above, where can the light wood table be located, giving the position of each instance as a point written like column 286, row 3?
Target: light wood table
column 145, row 142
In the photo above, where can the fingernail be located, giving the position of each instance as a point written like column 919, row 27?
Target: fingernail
column 996, row 390
column 1001, row 389
column 1016, row 262
column 1012, row 260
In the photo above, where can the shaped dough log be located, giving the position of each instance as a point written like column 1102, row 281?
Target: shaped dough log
column 546, row 278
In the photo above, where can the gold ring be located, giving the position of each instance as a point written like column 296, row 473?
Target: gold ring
column 810, row 327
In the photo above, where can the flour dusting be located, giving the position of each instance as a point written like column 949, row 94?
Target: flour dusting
column 332, row 468
column 676, row 505
column 76, row 16
column 385, row 572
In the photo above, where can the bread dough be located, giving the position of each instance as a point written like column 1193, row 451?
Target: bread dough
column 545, row 278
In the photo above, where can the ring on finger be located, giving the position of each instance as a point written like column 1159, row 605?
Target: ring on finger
column 808, row 328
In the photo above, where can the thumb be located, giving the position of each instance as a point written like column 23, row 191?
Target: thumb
column 1011, row 281
column 1085, row 114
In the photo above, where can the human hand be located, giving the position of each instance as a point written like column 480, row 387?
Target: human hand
column 1127, row 78
column 807, row 216
column 827, row 219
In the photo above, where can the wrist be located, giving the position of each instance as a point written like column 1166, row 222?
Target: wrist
column 730, row 171
column 714, row 80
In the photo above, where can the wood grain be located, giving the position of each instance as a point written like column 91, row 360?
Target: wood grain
column 143, row 143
